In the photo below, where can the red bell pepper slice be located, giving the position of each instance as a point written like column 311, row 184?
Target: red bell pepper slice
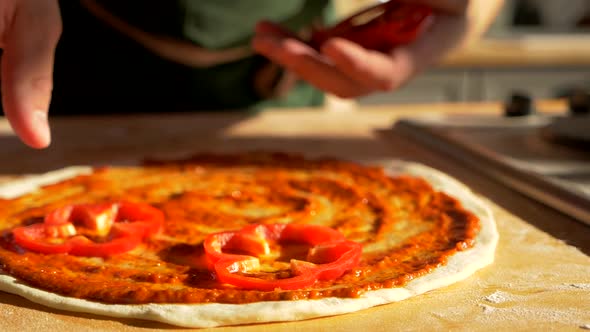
column 29, row 237
column 329, row 257
column 124, row 225
column 381, row 27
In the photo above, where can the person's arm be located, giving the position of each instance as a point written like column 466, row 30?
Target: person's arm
column 347, row 70
column 29, row 32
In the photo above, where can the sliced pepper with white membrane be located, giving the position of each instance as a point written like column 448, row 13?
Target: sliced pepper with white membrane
column 122, row 226
column 330, row 255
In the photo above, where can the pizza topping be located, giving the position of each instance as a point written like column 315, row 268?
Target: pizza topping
column 118, row 227
column 35, row 238
column 330, row 255
column 406, row 228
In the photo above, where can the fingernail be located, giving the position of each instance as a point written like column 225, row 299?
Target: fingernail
column 41, row 127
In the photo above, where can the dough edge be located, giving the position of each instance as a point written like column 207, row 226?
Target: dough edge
column 459, row 267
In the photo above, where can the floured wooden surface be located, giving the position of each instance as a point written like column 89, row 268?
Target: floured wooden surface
column 536, row 283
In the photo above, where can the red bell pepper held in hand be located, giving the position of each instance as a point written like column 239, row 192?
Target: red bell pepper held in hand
column 124, row 224
column 381, row 27
column 329, row 257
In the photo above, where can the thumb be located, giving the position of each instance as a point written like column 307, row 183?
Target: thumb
column 27, row 68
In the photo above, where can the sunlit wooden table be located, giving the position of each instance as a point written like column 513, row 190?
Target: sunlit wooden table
column 539, row 281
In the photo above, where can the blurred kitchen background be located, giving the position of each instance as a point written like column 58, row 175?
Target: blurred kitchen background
column 540, row 48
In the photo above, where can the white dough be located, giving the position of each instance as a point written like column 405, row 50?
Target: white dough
column 460, row 266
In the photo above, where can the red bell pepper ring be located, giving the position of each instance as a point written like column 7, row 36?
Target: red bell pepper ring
column 381, row 27
column 329, row 257
column 124, row 224
column 30, row 237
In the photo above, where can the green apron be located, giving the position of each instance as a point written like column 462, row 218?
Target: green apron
column 99, row 70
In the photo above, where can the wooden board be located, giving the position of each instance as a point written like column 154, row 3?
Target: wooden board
column 538, row 282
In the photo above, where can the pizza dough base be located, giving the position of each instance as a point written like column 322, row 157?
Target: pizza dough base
column 459, row 267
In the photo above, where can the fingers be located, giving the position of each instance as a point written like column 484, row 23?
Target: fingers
column 27, row 68
column 343, row 68
column 371, row 68
column 308, row 64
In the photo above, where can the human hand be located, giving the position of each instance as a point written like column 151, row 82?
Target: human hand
column 341, row 67
column 29, row 32
column 348, row 70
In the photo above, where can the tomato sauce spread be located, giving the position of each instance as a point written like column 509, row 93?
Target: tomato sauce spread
column 406, row 228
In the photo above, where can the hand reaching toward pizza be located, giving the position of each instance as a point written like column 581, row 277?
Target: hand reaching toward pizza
column 29, row 32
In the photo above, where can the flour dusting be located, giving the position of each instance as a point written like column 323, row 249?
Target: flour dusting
column 572, row 317
column 580, row 286
column 571, row 287
column 498, row 297
column 487, row 309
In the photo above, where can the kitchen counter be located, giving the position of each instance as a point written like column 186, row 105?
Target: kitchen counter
column 539, row 281
column 524, row 51
column 508, row 46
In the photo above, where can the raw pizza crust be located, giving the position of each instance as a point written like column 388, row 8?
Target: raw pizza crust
column 459, row 267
